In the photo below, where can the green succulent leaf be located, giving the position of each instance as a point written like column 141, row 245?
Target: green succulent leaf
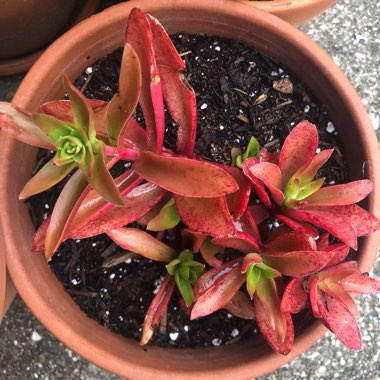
column 171, row 267
column 292, row 188
column 53, row 127
column 83, row 114
column 309, row 189
column 252, row 151
column 267, row 271
column 186, row 272
column 167, row 218
column 186, row 255
column 253, row 277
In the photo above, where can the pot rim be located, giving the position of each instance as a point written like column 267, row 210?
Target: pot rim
column 31, row 290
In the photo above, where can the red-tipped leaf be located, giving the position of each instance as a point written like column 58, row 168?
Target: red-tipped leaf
column 241, row 241
column 209, row 216
column 298, row 226
column 142, row 243
column 340, row 321
column 275, row 325
column 139, row 201
column 21, row 126
column 360, row 283
column 291, row 241
column 209, row 250
column 139, row 35
column 298, row 150
column 157, row 308
column 192, row 240
column 341, row 195
column 220, row 292
column 295, row 297
column 297, row 263
column 240, row 306
column 178, row 94
column 184, row 176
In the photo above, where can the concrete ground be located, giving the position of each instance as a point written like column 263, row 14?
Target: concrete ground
column 349, row 32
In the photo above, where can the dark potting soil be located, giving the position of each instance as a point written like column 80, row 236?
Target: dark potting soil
column 240, row 93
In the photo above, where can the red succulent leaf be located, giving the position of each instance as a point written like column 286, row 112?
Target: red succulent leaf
column 210, row 277
column 62, row 110
column 298, row 226
column 270, row 175
column 238, row 201
column 340, row 251
column 328, row 219
column 340, row 321
column 250, row 259
column 323, row 242
column 240, row 306
column 181, row 175
column 133, row 135
column 340, row 271
column 64, row 211
column 257, row 185
column 291, row 241
column 45, row 178
column 297, row 263
column 139, row 35
column 310, row 172
column 275, row 325
column 138, row 202
column 335, row 291
column 241, row 241
column 154, row 211
column 315, row 296
column 124, row 102
column 298, row 150
column 209, row 250
column 248, row 225
column 267, row 156
column 192, row 240
column 178, row 94
column 295, row 297
column 209, row 216
column 360, row 283
column 259, row 213
column 21, row 126
column 142, row 243
column 341, row 195
column 157, row 308
column 92, row 207
column 219, row 291
column 361, row 221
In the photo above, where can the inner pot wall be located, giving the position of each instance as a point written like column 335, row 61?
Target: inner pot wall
column 78, row 49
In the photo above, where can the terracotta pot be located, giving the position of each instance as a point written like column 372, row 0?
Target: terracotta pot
column 87, row 42
column 293, row 11
column 28, row 26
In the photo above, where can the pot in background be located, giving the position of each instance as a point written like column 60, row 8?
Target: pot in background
column 88, row 42
column 293, row 11
column 29, row 26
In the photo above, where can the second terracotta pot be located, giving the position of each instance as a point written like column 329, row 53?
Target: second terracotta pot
column 293, row 11
column 70, row 55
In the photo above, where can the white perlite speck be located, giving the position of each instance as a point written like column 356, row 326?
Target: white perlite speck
column 186, row 328
column 330, row 127
column 89, row 70
column 216, row 341
column 234, row 333
column 217, row 48
column 203, row 106
column 306, row 109
column 174, row 335
column 36, row 337
column 322, row 369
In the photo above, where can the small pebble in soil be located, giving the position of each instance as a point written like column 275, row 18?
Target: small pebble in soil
column 174, row 335
column 216, row 342
column 330, row 127
column 234, row 333
column 36, row 337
